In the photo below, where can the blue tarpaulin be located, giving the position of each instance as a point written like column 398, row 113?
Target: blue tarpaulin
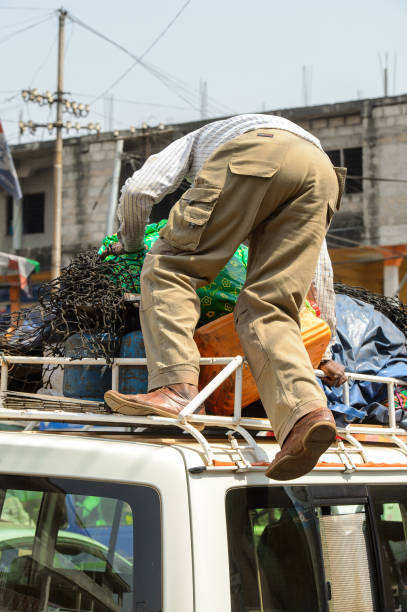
column 367, row 343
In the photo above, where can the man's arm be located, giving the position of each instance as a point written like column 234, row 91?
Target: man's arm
column 161, row 174
column 323, row 292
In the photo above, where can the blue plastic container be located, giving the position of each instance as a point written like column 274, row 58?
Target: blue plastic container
column 85, row 382
column 133, row 379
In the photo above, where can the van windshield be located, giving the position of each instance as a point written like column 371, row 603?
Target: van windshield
column 77, row 545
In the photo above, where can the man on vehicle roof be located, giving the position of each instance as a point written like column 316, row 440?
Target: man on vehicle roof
column 256, row 177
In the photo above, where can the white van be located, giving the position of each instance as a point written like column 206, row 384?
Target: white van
column 147, row 514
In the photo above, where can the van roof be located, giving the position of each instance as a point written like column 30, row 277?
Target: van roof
column 370, row 456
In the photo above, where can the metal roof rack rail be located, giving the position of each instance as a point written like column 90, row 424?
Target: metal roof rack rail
column 31, row 407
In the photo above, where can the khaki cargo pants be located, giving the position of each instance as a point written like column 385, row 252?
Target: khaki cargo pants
column 279, row 191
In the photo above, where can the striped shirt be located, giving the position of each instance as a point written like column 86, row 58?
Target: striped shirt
column 163, row 173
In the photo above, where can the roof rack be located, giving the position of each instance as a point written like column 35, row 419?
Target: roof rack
column 31, row 407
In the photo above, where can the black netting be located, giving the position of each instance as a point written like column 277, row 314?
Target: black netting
column 390, row 307
column 86, row 300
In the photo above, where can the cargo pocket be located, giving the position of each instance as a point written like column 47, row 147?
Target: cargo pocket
column 189, row 217
column 252, row 167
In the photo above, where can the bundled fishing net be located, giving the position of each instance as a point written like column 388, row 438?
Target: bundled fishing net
column 86, row 299
column 390, row 307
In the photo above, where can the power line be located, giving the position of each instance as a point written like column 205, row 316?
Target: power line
column 382, row 250
column 169, row 81
column 13, row 34
column 24, row 8
column 41, row 66
column 11, row 108
column 345, row 229
column 376, row 178
column 365, row 260
column 137, row 59
column 139, row 102
column 17, row 23
column 167, row 27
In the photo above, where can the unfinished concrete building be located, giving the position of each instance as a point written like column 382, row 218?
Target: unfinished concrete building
column 367, row 240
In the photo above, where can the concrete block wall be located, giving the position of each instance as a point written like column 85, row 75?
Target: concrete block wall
column 88, row 169
column 391, row 163
column 378, row 126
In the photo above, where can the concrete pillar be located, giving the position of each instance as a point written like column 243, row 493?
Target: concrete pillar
column 391, row 267
column 17, row 223
column 111, row 213
column 391, row 280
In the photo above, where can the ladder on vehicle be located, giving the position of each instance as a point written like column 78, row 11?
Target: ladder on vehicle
column 31, row 407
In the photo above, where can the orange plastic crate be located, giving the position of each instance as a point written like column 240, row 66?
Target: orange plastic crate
column 219, row 339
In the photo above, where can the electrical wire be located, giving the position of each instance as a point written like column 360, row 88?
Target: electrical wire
column 169, row 81
column 347, row 240
column 17, row 23
column 17, row 95
column 11, row 108
column 34, row 25
column 41, row 66
column 69, row 40
column 353, row 243
column 345, row 229
column 376, row 178
column 138, row 102
column 141, row 57
column 138, row 60
column 25, row 8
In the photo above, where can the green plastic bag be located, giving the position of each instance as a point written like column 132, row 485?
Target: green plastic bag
column 217, row 299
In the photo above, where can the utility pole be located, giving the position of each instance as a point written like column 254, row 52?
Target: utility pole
column 56, row 234
column 63, row 104
column 386, row 76
column 306, row 84
column 203, row 90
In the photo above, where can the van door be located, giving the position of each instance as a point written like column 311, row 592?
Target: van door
column 389, row 511
column 303, row 548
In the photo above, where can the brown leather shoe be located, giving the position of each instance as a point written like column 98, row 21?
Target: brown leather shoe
column 166, row 401
column 306, row 442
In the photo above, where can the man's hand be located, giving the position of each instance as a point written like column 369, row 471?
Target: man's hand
column 116, row 248
column 335, row 373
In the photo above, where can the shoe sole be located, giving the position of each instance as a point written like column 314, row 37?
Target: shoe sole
column 122, row 406
column 317, row 441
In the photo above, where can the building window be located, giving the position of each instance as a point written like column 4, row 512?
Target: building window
column 33, row 214
column 9, row 216
column 335, row 157
column 352, row 160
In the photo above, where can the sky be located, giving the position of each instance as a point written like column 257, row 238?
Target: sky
column 253, row 56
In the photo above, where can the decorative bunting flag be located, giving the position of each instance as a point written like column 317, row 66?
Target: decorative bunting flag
column 14, row 265
column 8, row 175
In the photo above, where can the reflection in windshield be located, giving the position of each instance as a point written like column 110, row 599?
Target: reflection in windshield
column 67, row 550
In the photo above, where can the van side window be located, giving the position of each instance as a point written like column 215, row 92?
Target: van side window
column 390, row 510
column 76, row 545
column 274, row 556
column 288, row 553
